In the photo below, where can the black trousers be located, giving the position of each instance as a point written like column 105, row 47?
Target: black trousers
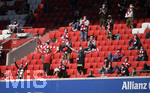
column 0, row 60
column 46, row 67
column 62, row 73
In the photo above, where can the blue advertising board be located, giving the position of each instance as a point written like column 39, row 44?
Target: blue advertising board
column 108, row 85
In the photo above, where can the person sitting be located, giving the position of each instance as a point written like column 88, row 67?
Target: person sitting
column 117, row 56
column 84, row 28
column 136, row 42
column 103, row 74
column 126, row 64
column 117, row 36
column 147, row 36
column 142, row 55
column 90, row 74
column 109, row 27
column 92, row 43
column 21, row 69
column 123, row 71
column 13, row 28
column 107, row 66
column 134, row 73
column 76, row 20
column 146, row 67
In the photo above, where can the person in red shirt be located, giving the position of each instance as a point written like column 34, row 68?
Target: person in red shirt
column 47, row 60
column 65, row 35
column 126, row 65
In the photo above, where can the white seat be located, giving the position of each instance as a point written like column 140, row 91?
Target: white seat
column 2, row 37
column 142, row 30
column 145, row 25
column 135, row 30
column 4, row 32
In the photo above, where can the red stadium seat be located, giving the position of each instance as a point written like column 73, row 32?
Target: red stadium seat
column 90, row 33
column 134, row 64
column 37, row 56
column 96, row 32
column 111, row 48
column 30, row 56
column 33, row 62
column 108, row 43
column 102, row 43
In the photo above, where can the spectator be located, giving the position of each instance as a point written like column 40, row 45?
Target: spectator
column 4, row 9
column 84, row 28
column 146, row 67
column 92, row 43
column 81, row 57
column 142, row 55
column 30, row 18
column 21, row 69
column 123, row 71
column 46, row 6
column 103, row 74
column 117, row 36
column 62, row 67
column 107, row 66
column 90, row 74
column 65, row 35
column 136, row 42
column 147, row 36
column 129, row 15
column 1, row 54
column 76, row 20
column 126, row 64
column 109, row 27
column 47, row 55
column 117, row 56
column 13, row 28
column 122, row 11
column 134, row 72
column 103, row 12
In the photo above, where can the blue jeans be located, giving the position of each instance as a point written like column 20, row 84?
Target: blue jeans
column 116, row 67
column 133, row 47
column 117, row 36
column 84, row 34
column 111, row 58
column 101, row 70
column 75, row 26
column 140, row 59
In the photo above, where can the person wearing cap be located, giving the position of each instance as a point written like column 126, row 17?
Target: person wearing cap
column 90, row 74
column 13, row 28
column 103, row 12
column 129, row 15
column 107, row 66
column 126, row 64
column 136, row 42
column 109, row 27
column 116, row 57
column 81, row 57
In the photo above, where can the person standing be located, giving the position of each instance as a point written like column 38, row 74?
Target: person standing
column 84, row 28
column 21, row 69
column 103, row 12
column 81, row 57
column 129, row 15
column 109, row 27
column 1, row 54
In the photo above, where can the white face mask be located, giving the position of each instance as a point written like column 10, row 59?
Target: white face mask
column 105, row 60
column 126, row 60
column 118, row 50
column 1, row 47
column 141, row 48
column 80, row 48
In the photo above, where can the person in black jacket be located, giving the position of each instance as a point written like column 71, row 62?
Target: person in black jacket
column 136, row 42
column 142, row 55
column 109, row 27
column 21, row 70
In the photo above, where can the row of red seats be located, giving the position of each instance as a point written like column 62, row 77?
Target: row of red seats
column 35, row 30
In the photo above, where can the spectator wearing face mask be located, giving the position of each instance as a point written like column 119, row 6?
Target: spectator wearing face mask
column 90, row 74
column 81, row 57
column 107, row 66
column 116, row 57
column 142, row 55
column 136, row 42
column 13, row 28
column 126, row 64
column 129, row 15
column 84, row 28
column 92, row 43
column 109, row 27
column 123, row 71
